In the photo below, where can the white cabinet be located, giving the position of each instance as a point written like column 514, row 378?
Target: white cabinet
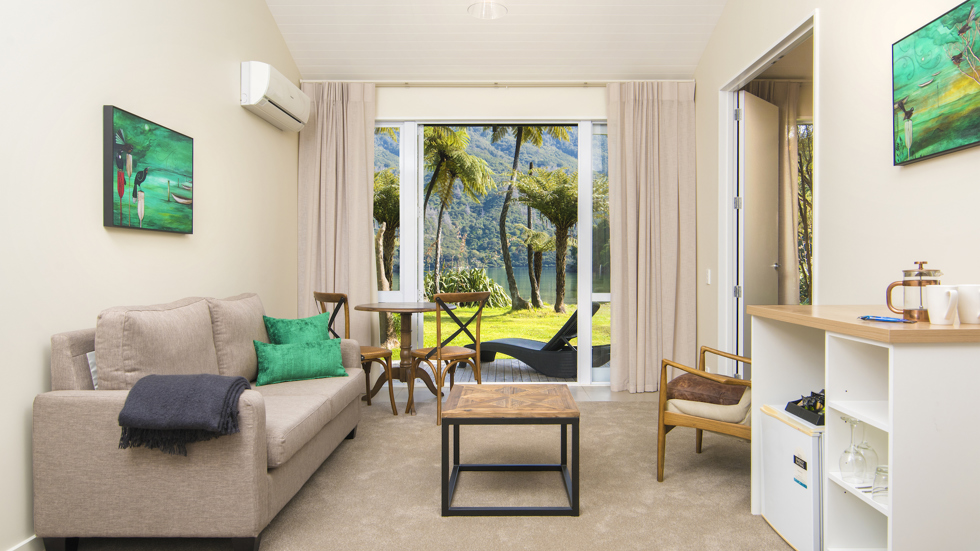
column 915, row 389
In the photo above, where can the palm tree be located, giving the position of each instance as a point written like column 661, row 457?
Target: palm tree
column 386, row 212
column 554, row 193
column 438, row 143
column 450, row 163
column 522, row 135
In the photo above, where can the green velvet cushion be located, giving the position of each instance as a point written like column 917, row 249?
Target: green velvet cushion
column 287, row 331
column 279, row 363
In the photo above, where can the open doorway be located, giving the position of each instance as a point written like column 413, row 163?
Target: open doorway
column 775, row 185
column 765, row 253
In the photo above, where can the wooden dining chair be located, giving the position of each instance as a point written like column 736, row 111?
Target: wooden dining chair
column 446, row 356
column 369, row 354
column 704, row 401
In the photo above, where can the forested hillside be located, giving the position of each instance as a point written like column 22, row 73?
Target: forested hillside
column 470, row 234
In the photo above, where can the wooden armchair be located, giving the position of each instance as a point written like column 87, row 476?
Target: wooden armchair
column 369, row 354
column 704, row 401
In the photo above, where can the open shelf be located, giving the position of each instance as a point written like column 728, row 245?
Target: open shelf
column 872, row 412
column 864, row 494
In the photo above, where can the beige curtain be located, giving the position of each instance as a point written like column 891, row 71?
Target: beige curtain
column 336, row 201
column 652, row 230
column 786, row 96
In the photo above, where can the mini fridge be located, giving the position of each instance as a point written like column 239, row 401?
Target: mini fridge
column 792, row 476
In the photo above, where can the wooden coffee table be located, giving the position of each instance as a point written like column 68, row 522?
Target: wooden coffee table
column 537, row 404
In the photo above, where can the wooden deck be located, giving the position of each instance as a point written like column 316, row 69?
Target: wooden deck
column 507, row 370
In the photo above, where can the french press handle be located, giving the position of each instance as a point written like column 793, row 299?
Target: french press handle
column 888, row 297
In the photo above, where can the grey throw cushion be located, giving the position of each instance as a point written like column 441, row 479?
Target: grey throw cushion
column 93, row 368
column 165, row 339
column 236, row 323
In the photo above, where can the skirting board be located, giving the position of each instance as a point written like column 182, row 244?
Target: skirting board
column 32, row 543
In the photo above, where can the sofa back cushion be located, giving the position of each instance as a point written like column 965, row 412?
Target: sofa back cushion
column 165, row 339
column 237, row 323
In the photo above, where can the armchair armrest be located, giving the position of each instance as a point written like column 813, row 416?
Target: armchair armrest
column 717, row 352
column 85, row 486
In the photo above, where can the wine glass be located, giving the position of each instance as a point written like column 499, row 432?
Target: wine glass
column 852, row 463
column 869, row 453
column 879, row 490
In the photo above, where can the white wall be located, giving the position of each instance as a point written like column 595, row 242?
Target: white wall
column 872, row 219
column 176, row 63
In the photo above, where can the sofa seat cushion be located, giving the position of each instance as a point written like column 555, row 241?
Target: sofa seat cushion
column 165, row 339
column 296, row 411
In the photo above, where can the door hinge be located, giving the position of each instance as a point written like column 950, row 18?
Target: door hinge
column 738, row 291
column 738, row 114
column 738, row 203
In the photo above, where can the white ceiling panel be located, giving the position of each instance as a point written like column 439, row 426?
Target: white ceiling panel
column 537, row 41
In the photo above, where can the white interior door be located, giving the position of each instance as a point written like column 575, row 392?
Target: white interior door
column 758, row 177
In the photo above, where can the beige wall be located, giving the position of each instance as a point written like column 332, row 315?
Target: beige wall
column 515, row 103
column 176, row 63
column 872, row 219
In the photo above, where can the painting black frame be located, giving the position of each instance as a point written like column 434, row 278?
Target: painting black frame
column 895, row 100
column 108, row 168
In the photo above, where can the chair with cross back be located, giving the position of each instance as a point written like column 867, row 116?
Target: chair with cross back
column 369, row 354
column 443, row 358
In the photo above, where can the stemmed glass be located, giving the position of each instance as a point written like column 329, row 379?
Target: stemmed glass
column 852, row 463
column 869, row 453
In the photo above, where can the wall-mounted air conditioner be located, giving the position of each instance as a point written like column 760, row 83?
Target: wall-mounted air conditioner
column 270, row 95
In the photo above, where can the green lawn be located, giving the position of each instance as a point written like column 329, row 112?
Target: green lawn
column 499, row 323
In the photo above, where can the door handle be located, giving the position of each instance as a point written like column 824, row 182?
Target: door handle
column 775, row 266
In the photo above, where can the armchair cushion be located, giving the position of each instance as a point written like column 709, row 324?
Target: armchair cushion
column 739, row 413
column 699, row 389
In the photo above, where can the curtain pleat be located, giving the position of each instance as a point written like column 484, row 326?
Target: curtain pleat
column 336, row 201
column 652, row 195
column 785, row 96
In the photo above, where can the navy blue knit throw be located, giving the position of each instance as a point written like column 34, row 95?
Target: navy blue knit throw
column 167, row 412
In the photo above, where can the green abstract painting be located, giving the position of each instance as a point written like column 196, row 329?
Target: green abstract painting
column 148, row 174
column 936, row 86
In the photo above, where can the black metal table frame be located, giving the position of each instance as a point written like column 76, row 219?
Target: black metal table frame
column 570, row 476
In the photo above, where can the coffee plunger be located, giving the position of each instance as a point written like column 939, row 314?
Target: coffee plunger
column 913, row 284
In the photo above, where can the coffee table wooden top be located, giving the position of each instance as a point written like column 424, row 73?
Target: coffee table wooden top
column 510, row 401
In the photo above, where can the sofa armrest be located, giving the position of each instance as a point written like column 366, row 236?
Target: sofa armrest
column 85, row 486
column 350, row 352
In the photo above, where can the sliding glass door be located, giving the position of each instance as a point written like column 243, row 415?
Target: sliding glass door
column 499, row 206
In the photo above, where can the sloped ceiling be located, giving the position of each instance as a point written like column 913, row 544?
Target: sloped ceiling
column 537, row 41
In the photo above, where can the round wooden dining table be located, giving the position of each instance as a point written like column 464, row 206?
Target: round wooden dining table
column 405, row 309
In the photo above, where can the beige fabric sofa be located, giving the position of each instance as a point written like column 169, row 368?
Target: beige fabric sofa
column 230, row 487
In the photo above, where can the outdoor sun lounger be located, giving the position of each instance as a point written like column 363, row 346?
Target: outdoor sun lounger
column 555, row 358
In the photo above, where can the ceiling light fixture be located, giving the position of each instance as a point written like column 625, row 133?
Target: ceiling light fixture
column 487, row 9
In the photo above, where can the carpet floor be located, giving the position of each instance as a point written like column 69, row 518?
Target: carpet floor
column 381, row 490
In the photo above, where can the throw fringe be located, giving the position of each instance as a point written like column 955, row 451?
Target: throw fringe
column 173, row 442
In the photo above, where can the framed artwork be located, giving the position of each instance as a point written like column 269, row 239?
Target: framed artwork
column 148, row 174
column 936, row 86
